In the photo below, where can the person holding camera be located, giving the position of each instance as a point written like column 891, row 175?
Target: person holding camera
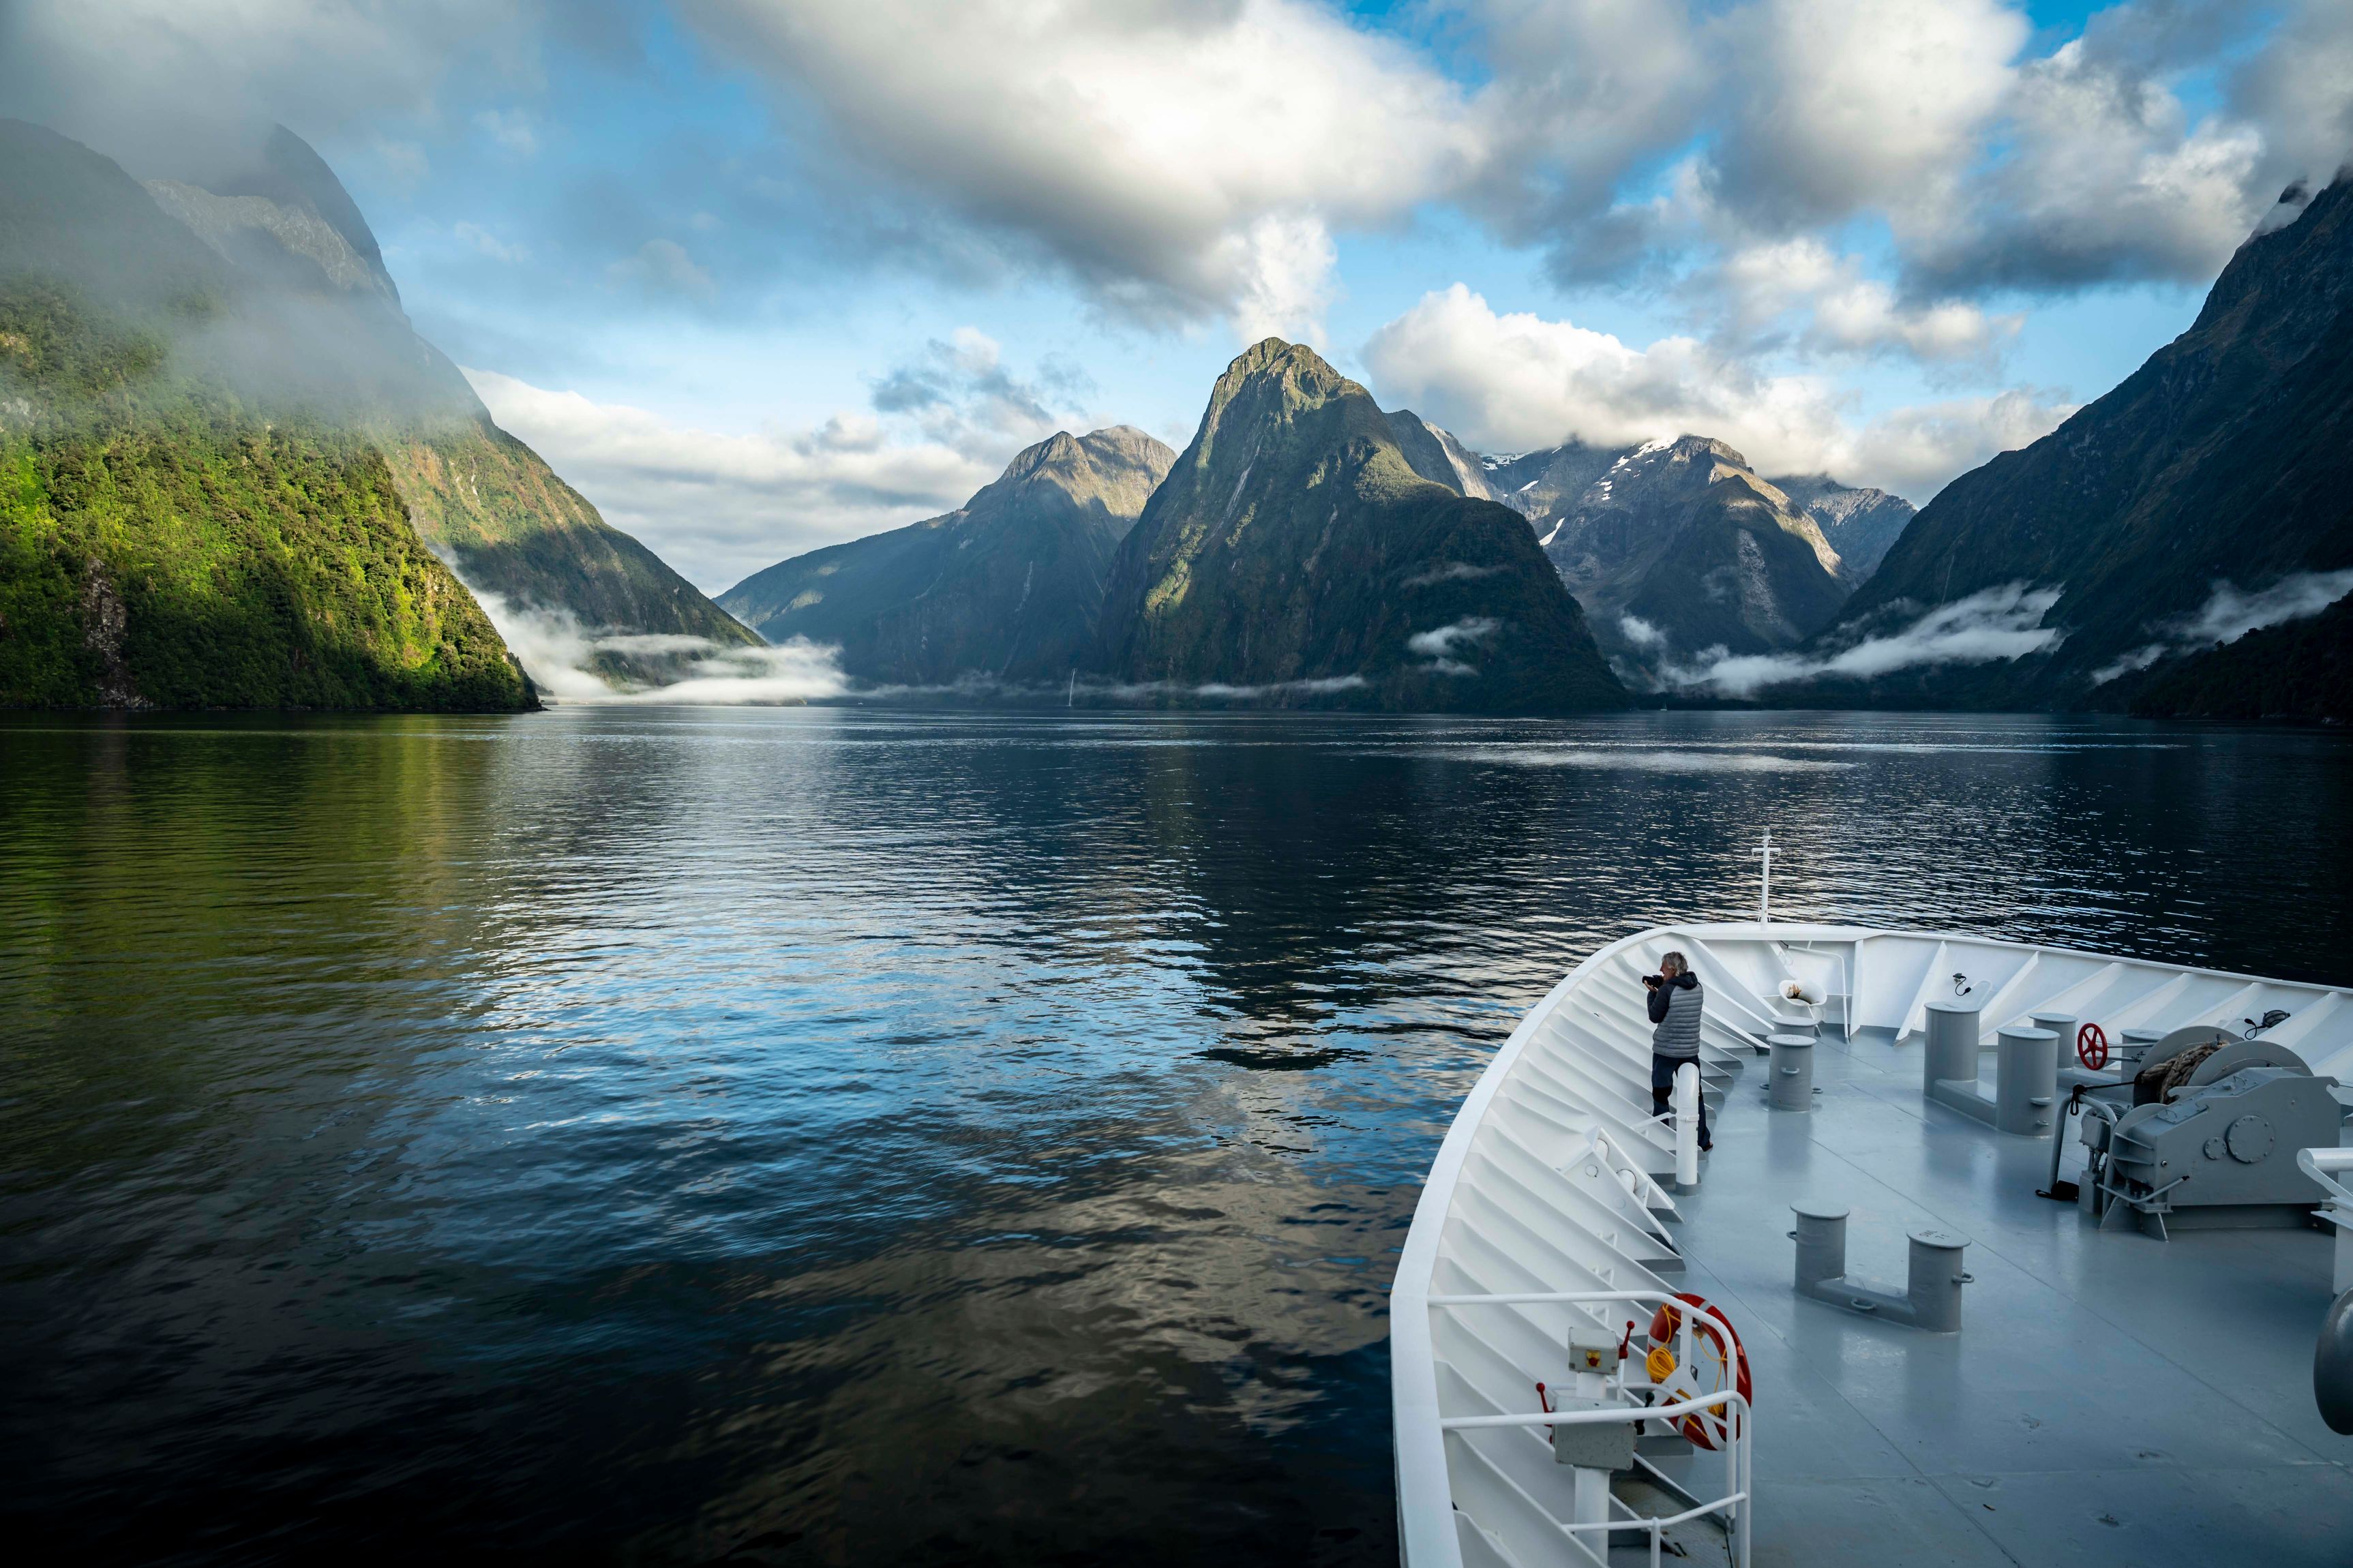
column 1676, row 999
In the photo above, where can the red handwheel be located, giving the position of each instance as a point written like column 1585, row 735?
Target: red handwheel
column 2092, row 1046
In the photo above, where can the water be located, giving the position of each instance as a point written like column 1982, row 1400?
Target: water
column 842, row 1137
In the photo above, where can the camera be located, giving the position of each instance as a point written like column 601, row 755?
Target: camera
column 1654, row 980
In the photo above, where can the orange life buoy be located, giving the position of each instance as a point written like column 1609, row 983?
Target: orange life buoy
column 1678, row 1382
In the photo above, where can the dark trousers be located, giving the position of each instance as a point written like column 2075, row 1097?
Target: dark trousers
column 1663, row 1085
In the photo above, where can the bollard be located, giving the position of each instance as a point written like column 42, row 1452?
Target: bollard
column 1931, row 1298
column 2063, row 1026
column 2136, row 1044
column 1821, row 1242
column 1934, row 1284
column 1792, row 1088
column 2029, row 1082
column 1952, row 1053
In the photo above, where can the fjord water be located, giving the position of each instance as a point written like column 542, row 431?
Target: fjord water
column 851, row 1136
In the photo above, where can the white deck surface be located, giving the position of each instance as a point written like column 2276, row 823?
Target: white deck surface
column 2111, row 1399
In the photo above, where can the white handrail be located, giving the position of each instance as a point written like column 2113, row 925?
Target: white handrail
column 2317, row 1163
column 1596, row 1416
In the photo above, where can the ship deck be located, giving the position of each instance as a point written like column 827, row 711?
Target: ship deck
column 2112, row 1399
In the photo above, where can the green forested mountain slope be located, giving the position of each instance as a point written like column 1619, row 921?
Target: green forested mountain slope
column 492, row 506
column 309, row 268
column 1293, row 550
column 2302, row 670
column 2227, row 456
column 1006, row 588
column 162, row 546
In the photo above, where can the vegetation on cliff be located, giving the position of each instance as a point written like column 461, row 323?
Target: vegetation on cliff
column 161, row 545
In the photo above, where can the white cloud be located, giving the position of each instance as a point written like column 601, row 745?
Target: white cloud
column 1993, row 625
column 720, row 507
column 2299, row 88
column 2104, row 175
column 1841, row 104
column 1440, row 644
column 1184, row 158
column 1514, row 381
column 1835, row 306
column 962, row 394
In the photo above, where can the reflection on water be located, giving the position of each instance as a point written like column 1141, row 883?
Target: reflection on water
column 839, row 1137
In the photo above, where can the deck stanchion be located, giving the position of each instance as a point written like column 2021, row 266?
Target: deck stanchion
column 1686, row 1104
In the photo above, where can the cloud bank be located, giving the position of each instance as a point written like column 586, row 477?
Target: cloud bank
column 1513, row 381
column 559, row 655
column 2229, row 615
column 719, row 507
column 1996, row 624
column 1198, row 156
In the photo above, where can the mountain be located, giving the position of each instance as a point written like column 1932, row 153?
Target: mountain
column 1677, row 547
column 2226, row 458
column 322, row 324
column 1006, row 586
column 1860, row 524
column 1540, row 485
column 166, row 541
column 1438, row 457
column 1294, row 552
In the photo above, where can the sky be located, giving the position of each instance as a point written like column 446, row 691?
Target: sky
column 758, row 276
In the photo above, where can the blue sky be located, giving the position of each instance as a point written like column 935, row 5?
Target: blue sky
column 758, row 275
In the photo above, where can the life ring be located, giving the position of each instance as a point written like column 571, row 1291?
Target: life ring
column 1705, row 1428
column 2092, row 1046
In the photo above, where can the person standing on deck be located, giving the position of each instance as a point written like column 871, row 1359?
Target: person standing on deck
column 1676, row 999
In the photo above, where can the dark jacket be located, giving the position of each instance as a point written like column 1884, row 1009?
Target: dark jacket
column 1676, row 1009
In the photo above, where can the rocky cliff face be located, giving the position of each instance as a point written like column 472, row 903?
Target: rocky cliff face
column 1542, row 485
column 1677, row 547
column 1001, row 592
column 2226, row 457
column 1862, row 525
column 1293, row 553
column 1438, row 457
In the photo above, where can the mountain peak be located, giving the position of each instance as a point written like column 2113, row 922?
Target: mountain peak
column 1112, row 470
column 1294, row 554
column 1296, row 374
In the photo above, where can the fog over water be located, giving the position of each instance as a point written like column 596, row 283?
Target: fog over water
column 834, row 1136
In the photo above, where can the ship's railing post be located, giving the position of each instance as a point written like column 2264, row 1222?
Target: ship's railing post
column 1686, row 1108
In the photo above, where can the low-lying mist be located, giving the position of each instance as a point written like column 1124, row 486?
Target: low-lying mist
column 2229, row 614
column 1999, row 622
column 572, row 663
